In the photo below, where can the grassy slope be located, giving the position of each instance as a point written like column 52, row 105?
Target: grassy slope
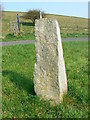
column 11, row 16
column 19, row 99
column 67, row 24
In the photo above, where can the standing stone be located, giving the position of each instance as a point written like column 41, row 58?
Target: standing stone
column 50, row 80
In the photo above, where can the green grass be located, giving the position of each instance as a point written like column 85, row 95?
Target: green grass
column 19, row 99
column 12, row 37
column 28, row 36
column 74, row 35
column 68, row 24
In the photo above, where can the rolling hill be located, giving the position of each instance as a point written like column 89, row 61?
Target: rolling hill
column 68, row 24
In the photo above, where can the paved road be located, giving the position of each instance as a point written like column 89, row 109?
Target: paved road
column 17, row 42
column 33, row 41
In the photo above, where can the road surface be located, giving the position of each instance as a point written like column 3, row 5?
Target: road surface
column 33, row 41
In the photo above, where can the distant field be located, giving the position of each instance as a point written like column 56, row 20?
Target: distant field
column 11, row 16
column 70, row 26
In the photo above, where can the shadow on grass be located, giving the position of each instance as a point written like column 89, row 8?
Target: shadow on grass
column 20, row 81
column 27, row 23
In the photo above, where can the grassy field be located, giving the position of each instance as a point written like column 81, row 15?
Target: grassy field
column 19, row 99
column 67, row 24
column 12, row 37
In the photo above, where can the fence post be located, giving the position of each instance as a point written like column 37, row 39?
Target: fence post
column 18, row 23
column 77, row 27
column 21, row 27
column 10, row 27
column 40, row 15
column 14, row 28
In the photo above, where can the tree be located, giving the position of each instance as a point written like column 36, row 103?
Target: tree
column 33, row 15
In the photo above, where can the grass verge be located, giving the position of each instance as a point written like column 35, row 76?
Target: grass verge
column 19, row 99
column 31, row 36
column 12, row 37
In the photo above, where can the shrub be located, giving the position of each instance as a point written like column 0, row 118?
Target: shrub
column 33, row 15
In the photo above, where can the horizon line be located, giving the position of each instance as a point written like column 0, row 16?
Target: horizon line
column 49, row 13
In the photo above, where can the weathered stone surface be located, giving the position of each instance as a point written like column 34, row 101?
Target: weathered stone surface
column 49, row 71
